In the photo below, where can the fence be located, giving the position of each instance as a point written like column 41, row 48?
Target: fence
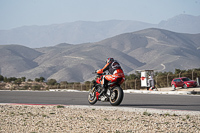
column 160, row 81
column 73, row 86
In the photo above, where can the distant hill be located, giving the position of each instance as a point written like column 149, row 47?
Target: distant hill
column 16, row 58
column 87, row 31
column 157, row 49
column 182, row 23
column 160, row 50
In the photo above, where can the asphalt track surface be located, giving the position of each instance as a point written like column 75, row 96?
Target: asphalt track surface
column 132, row 100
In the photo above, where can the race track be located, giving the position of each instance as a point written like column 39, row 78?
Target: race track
column 155, row 101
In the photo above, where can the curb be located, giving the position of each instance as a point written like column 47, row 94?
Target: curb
column 66, row 90
column 129, row 91
column 162, row 92
column 141, row 91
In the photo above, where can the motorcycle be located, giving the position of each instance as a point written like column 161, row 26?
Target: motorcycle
column 114, row 93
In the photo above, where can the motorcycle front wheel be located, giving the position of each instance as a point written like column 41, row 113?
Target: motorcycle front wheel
column 116, row 96
column 92, row 99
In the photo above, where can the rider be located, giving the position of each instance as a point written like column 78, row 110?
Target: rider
column 117, row 74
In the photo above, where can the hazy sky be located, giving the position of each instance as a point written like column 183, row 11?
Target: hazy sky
column 16, row 13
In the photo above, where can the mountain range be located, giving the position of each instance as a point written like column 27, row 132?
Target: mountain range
column 88, row 31
column 152, row 48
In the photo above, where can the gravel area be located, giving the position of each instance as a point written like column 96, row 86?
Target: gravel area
column 93, row 119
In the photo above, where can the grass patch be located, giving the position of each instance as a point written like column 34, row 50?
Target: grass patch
column 187, row 116
column 44, row 115
column 167, row 114
column 52, row 113
column 146, row 113
column 106, row 119
column 166, row 123
column 174, row 115
column 60, row 106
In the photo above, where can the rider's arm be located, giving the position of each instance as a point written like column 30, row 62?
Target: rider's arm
column 100, row 71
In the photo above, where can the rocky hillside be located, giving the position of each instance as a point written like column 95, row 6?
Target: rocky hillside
column 16, row 58
column 156, row 49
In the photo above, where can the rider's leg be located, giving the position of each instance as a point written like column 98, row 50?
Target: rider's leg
column 102, row 86
column 104, row 83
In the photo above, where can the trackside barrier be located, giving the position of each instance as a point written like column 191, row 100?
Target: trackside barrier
column 160, row 82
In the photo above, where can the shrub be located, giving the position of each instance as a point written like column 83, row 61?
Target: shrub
column 36, row 87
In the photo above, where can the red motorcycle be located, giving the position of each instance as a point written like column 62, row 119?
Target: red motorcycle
column 114, row 93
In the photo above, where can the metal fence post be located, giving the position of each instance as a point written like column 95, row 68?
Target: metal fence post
column 135, row 83
column 167, row 80
column 157, row 80
column 192, row 73
column 125, row 84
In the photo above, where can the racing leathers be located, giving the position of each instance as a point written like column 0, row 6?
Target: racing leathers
column 117, row 74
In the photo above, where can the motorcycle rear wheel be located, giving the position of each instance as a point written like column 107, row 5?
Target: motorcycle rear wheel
column 116, row 96
column 92, row 99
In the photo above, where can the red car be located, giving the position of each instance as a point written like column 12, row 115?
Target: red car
column 183, row 82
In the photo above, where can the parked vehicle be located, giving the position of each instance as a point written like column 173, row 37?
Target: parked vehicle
column 183, row 82
column 114, row 93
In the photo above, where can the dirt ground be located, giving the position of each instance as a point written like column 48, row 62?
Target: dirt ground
column 58, row 118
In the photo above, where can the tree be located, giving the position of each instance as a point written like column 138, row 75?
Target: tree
column 23, row 79
column 63, row 82
column 12, row 79
column 177, row 71
column 51, row 82
column 37, row 79
column 1, row 78
column 18, row 81
column 42, row 79
column 30, row 80
column 5, row 79
column 132, row 76
column 87, row 82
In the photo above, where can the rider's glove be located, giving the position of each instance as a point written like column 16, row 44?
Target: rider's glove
column 100, row 71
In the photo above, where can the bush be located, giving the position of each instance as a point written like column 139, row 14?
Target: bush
column 51, row 82
column 36, row 87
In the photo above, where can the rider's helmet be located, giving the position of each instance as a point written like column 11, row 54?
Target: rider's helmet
column 109, row 60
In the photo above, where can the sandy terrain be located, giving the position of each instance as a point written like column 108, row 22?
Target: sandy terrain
column 38, row 118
